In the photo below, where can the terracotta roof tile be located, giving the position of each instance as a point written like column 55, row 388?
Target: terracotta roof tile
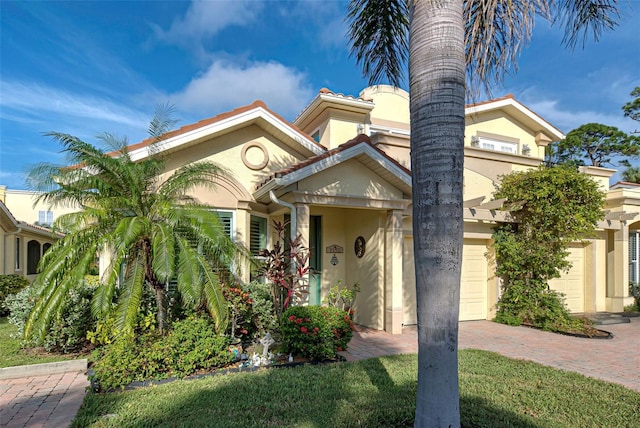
column 358, row 139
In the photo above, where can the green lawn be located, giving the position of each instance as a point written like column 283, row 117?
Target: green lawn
column 11, row 354
column 495, row 392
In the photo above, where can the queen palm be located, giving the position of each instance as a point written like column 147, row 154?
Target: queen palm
column 447, row 44
column 149, row 228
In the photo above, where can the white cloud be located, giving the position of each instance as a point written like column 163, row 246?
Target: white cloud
column 205, row 19
column 31, row 102
column 226, row 85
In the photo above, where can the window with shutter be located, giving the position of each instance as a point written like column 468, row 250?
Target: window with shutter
column 634, row 272
column 257, row 234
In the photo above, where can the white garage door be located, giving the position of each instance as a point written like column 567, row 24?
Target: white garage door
column 409, row 284
column 572, row 282
column 473, row 284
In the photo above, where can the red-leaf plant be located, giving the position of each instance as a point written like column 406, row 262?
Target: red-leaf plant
column 286, row 267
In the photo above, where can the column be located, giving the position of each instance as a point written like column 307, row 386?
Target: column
column 618, row 278
column 302, row 229
column 393, row 276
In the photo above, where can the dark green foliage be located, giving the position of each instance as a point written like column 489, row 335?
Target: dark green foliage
column 632, row 108
column 191, row 345
column 317, row 332
column 594, row 144
column 550, row 208
column 251, row 311
column 67, row 332
column 10, row 284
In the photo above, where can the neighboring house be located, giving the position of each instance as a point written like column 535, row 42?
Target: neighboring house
column 21, row 244
column 341, row 173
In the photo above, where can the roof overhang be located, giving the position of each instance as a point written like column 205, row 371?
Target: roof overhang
column 257, row 115
column 328, row 100
column 519, row 112
column 363, row 152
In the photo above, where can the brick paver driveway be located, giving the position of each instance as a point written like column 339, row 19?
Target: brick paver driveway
column 614, row 360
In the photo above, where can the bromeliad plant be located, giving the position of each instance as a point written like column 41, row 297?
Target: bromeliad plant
column 152, row 230
column 286, row 267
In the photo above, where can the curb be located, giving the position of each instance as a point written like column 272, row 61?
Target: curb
column 43, row 369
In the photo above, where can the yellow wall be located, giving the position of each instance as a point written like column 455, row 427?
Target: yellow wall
column 21, row 204
column 350, row 178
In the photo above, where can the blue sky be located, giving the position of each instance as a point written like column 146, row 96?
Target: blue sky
column 90, row 67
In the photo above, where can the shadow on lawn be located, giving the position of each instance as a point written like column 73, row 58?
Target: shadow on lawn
column 336, row 395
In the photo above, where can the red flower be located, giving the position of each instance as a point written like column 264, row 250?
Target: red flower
column 307, row 320
column 303, row 329
column 299, row 320
column 316, row 329
column 292, row 317
column 340, row 348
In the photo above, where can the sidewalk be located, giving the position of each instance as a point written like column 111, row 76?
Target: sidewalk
column 45, row 400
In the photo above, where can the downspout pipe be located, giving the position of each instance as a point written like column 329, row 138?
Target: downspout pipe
column 294, row 214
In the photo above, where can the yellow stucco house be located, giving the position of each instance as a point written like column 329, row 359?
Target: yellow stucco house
column 22, row 243
column 341, row 173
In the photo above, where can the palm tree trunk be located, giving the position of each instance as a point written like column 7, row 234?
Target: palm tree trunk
column 437, row 88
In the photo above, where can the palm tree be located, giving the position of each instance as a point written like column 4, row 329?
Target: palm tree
column 441, row 40
column 151, row 229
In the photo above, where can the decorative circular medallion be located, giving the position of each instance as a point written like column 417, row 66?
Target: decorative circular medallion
column 252, row 153
column 359, row 246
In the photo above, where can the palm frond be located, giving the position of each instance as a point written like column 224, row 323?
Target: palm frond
column 213, row 298
column 163, row 250
column 188, row 274
column 580, row 18
column 203, row 174
column 131, row 296
column 378, row 33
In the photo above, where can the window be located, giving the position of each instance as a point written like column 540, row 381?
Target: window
column 226, row 218
column 33, row 257
column 316, row 136
column 45, row 218
column 497, row 145
column 17, row 254
column 257, row 234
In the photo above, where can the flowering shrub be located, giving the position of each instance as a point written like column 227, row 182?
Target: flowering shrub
column 252, row 312
column 317, row 332
column 10, row 284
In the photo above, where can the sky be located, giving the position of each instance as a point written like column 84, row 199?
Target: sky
column 86, row 68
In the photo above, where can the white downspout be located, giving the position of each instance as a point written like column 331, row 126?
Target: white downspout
column 294, row 214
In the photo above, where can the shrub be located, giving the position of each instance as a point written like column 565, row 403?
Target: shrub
column 252, row 311
column 68, row 329
column 316, row 332
column 10, row 284
column 192, row 345
column 342, row 297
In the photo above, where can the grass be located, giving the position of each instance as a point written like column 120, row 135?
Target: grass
column 494, row 392
column 12, row 354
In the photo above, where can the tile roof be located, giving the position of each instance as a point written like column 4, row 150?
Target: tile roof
column 358, row 139
column 218, row 118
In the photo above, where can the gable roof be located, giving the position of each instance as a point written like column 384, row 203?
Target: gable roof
column 359, row 148
column 517, row 110
column 10, row 224
column 256, row 113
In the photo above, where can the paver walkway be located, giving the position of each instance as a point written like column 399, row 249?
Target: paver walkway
column 50, row 401
column 53, row 400
column 614, row 360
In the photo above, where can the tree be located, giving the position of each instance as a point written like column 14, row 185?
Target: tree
column 631, row 174
column 441, row 39
column 150, row 227
column 632, row 108
column 595, row 144
column 551, row 208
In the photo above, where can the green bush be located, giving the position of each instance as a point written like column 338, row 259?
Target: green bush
column 68, row 330
column 192, row 345
column 317, row 332
column 10, row 284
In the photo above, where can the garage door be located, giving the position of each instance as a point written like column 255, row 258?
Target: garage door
column 473, row 284
column 409, row 284
column 572, row 282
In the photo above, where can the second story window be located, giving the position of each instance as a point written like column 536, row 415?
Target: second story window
column 497, row 145
column 45, row 218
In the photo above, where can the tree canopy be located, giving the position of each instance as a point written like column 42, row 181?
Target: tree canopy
column 595, row 144
column 632, row 108
column 147, row 226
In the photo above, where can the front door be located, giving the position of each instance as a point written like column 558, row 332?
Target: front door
column 315, row 259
